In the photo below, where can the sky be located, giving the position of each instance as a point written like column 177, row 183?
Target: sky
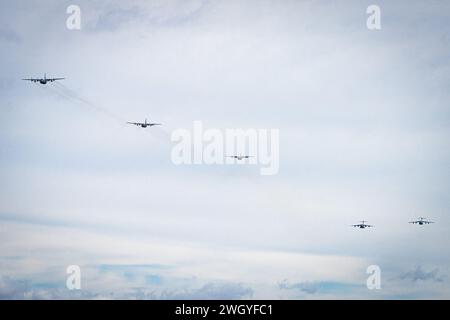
column 364, row 123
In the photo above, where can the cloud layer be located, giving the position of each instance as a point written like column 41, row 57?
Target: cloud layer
column 364, row 125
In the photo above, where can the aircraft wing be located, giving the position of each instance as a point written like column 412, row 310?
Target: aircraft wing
column 54, row 79
column 135, row 123
column 31, row 79
column 155, row 124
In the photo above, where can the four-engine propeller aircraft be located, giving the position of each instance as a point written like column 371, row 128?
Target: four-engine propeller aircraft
column 421, row 221
column 145, row 124
column 43, row 80
column 240, row 157
column 362, row 225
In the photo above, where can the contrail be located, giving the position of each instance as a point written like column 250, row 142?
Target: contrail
column 74, row 96
column 161, row 134
column 55, row 91
column 59, row 93
column 156, row 132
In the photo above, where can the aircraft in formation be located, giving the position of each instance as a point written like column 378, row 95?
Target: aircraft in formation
column 240, row 157
column 145, row 124
column 43, row 80
column 421, row 221
column 362, row 225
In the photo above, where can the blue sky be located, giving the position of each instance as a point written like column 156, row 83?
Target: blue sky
column 364, row 126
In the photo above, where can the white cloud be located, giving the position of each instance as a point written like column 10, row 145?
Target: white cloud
column 363, row 121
